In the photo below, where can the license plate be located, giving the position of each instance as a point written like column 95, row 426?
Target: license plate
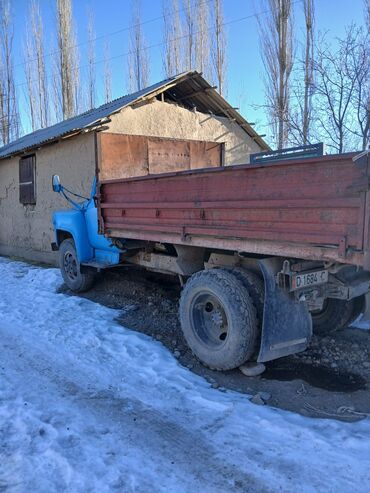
column 300, row 281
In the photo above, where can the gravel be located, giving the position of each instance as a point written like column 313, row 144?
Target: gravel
column 148, row 303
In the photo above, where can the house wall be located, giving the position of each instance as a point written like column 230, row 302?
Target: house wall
column 26, row 230
column 161, row 119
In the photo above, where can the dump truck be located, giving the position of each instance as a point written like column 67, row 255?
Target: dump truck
column 266, row 252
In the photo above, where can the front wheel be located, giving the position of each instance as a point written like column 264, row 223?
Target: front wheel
column 69, row 266
column 218, row 319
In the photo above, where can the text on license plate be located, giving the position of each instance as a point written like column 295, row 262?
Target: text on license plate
column 300, row 281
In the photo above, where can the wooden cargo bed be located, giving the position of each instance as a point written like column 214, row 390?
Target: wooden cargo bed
column 316, row 208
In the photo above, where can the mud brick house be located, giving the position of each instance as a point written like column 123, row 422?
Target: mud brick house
column 177, row 124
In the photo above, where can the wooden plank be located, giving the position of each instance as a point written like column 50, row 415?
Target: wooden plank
column 205, row 154
column 336, row 217
column 122, row 156
column 304, row 183
column 166, row 155
column 126, row 156
column 315, row 235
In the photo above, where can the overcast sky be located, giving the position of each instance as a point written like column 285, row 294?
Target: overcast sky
column 245, row 71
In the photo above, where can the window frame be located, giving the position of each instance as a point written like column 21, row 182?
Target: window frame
column 27, row 186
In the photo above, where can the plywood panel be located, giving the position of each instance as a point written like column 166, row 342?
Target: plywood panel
column 127, row 156
column 122, row 156
column 166, row 155
column 205, row 154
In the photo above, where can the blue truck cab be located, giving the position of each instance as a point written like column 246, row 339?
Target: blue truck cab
column 82, row 250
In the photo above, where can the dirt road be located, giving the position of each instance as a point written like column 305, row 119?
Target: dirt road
column 331, row 379
column 88, row 405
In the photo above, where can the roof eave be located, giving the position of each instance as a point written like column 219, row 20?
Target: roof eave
column 218, row 100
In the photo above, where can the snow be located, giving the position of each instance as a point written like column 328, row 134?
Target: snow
column 89, row 406
column 361, row 323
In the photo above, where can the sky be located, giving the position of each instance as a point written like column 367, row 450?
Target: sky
column 245, row 70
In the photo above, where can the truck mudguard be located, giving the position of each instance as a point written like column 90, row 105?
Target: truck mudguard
column 73, row 222
column 287, row 324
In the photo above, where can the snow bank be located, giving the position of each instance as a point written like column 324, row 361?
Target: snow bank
column 86, row 405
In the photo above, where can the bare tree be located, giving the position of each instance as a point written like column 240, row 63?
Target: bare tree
column 300, row 114
column 91, row 61
column 359, row 69
column 138, row 60
column 218, row 48
column 56, row 100
column 338, row 72
column 202, row 50
column 9, row 115
column 172, row 34
column 189, row 33
column 197, row 36
column 276, row 42
column 67, row 77
column 107, row 75
column 36, row 77
column 309, row 15
column 30, row 81
column 366, row 98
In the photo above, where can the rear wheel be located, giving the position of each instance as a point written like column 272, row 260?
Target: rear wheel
column 358, row 308
column 69, row 266
column 255, row 287
column 218, row 319
column 335, row 315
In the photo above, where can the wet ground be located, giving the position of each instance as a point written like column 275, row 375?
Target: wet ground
column 315, row 376
column 329, row 380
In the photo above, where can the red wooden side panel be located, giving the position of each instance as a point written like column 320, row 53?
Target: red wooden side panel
column 318, row 202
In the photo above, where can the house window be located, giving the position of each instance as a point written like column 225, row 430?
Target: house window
column 27, row 180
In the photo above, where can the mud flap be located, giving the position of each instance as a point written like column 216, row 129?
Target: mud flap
column 287, row 324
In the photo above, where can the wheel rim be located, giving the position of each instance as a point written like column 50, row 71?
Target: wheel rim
column 70, row 266
column 209, row 320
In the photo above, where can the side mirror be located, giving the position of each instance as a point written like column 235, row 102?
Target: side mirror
column 57, row 187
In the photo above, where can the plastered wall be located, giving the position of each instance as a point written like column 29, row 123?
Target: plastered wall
column 161, row 119
column 27, row 229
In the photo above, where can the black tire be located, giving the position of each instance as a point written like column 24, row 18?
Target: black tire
column 358, row 308
column 218, row 319
column 70, row 268
column 335, row 315
column 255, row 287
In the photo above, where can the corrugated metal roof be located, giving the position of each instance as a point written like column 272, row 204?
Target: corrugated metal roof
column 189, row 88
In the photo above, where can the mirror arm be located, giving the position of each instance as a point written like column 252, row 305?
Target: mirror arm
column 73, row 193
column 68, row 199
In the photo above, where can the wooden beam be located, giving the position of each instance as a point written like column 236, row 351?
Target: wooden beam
column 191, row 95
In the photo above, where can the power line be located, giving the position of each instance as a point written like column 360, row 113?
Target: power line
column 113, row 33
column 163, row 43
column 157, row 45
